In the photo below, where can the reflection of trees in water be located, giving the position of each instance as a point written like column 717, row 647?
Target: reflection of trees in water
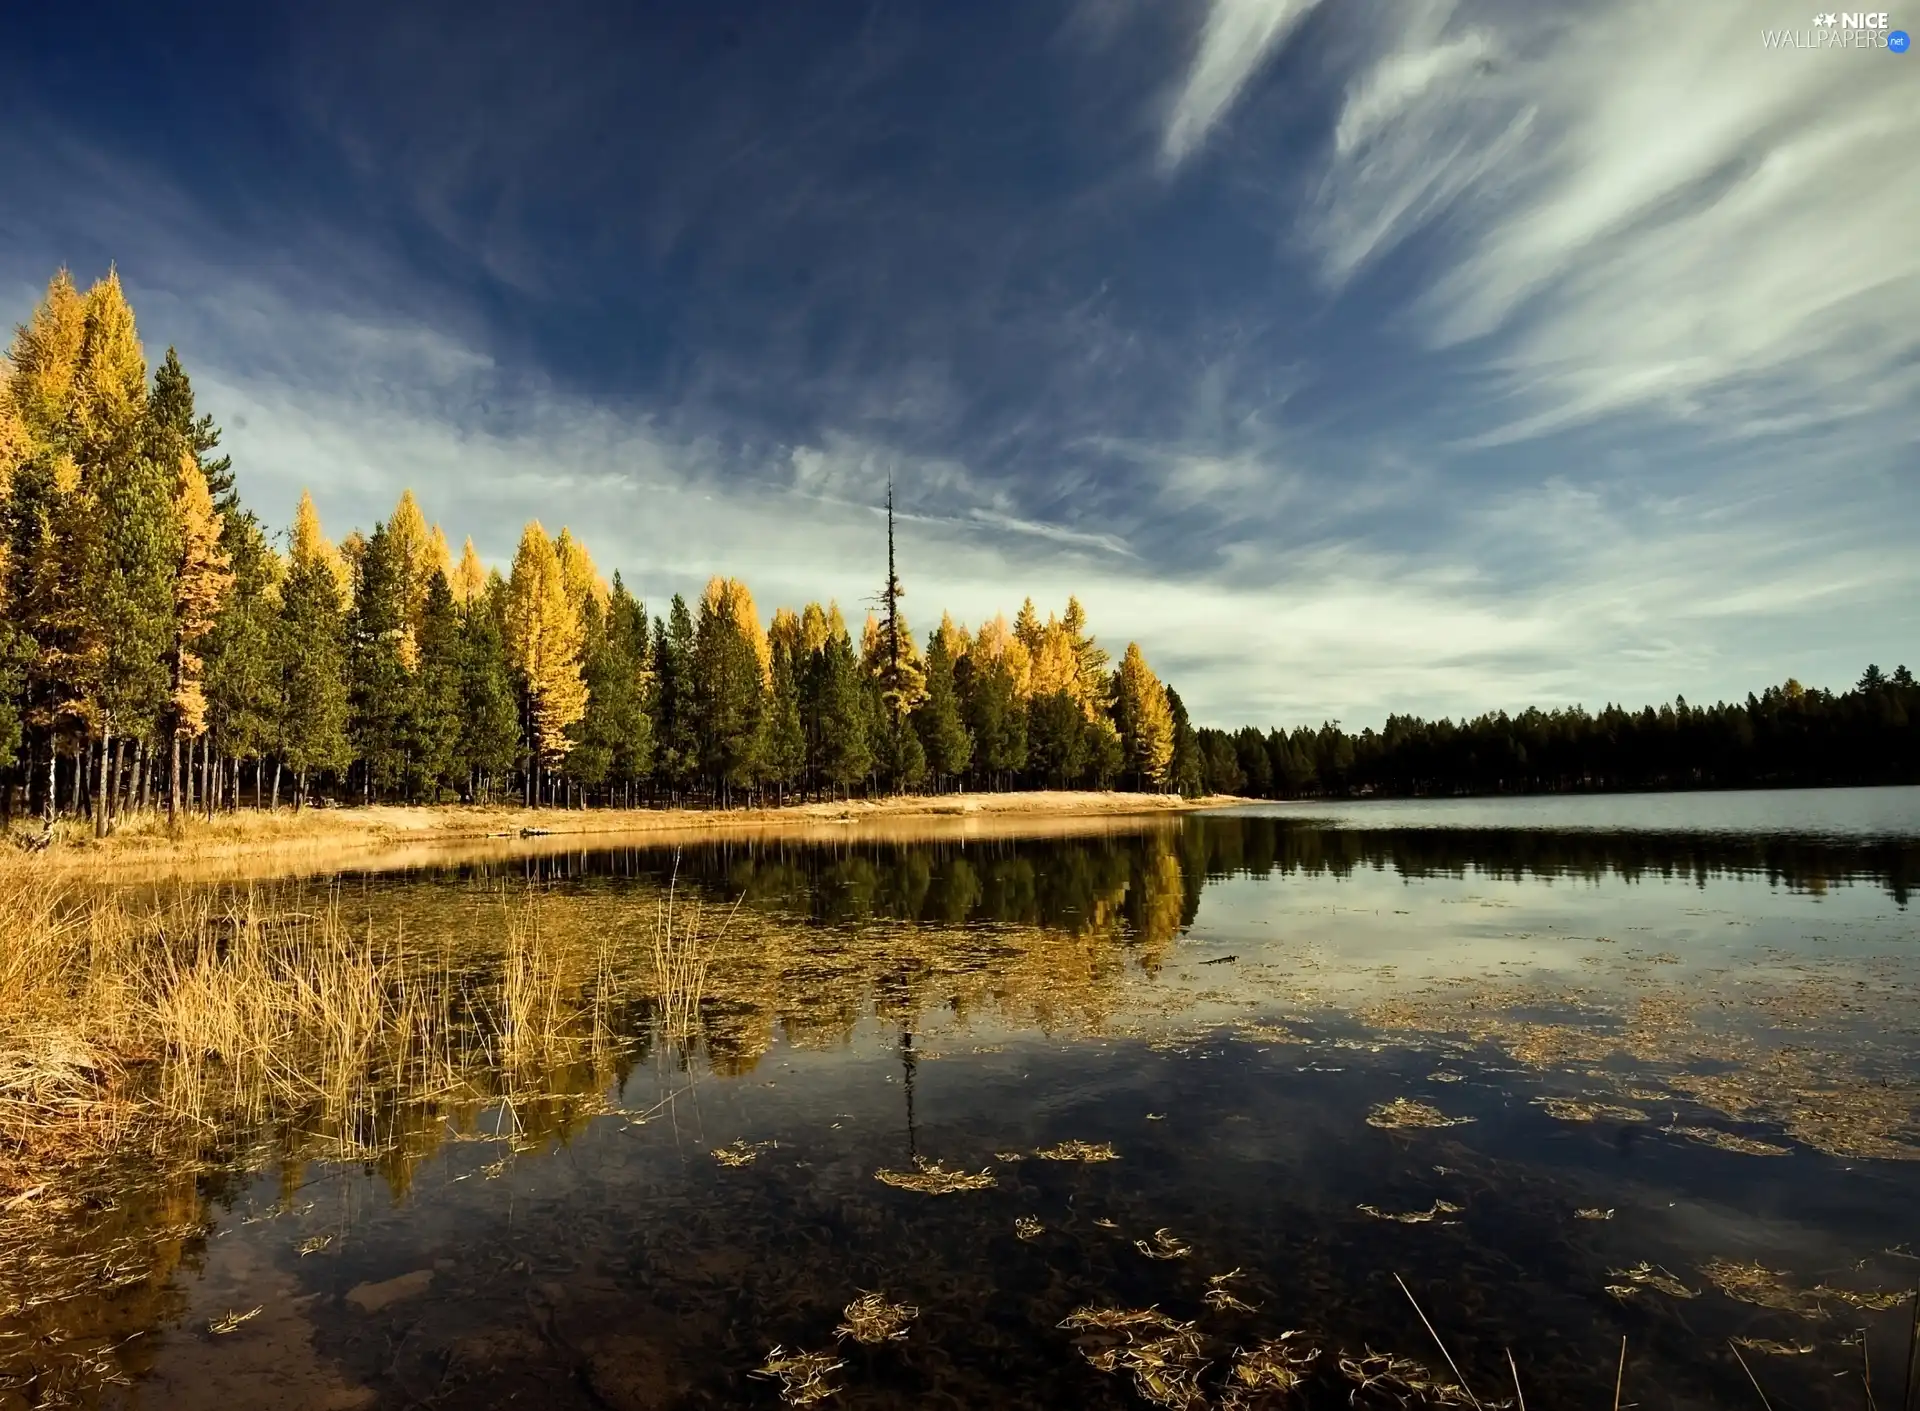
column 1225, row 846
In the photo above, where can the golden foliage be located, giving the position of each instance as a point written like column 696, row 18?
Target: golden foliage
column 201, row 586
column 1145, row 718
column 420, row 553
column 469, row 580
column 310, row 545
column 545, row 637
column 45, row 360
column 110, row 392
column 728, row 597
column 955, row 638
column 577, row 571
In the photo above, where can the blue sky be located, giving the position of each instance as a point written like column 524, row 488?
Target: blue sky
column 1352, row 358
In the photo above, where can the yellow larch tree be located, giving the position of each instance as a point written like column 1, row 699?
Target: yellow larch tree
column 1054, row 665
column 995, row 642
column 1144, row 717
column 583, row 581
column 730, row 597
column 469, row 580
column 955, row 638
column 201, row 584
column 788, row 634
column 544, row 639
column 308, row 544
column 421, row 552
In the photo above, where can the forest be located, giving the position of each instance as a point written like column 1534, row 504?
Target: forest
column 1787, row 736
column 161, row 652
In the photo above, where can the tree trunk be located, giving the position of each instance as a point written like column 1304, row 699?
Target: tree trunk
column 276, row 785
column 140, row 777
column 99, row 786
column 51, row 803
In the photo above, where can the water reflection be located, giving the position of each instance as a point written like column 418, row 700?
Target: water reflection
column 527, row 1205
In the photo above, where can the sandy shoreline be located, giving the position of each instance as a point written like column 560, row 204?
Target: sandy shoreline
column 383, row 837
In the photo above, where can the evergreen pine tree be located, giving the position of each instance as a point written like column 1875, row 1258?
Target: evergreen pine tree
column 786, row 756
column 841, row 754
column 676, row 719
column 1057, row 743
column 243, row 680
column 943, row 734
column 729, row 689
column 383, row 688
column 171, row 408
column 490, row 717
column 994, row 714
column 1184, row 770
column 439, row 697
column 311, row 649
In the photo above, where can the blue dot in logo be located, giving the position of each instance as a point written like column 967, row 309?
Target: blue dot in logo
column 1898, row 42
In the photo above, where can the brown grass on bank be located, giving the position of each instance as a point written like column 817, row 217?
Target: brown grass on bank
column 271, row 841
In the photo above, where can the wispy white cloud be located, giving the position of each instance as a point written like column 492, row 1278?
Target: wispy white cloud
column 1237, row 36
column 1643, row 207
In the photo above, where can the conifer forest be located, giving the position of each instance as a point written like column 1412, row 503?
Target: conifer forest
column 162, row 650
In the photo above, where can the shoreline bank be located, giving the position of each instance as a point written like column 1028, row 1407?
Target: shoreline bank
column 384, row 836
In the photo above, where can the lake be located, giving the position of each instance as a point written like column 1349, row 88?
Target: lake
column 1315, row 1105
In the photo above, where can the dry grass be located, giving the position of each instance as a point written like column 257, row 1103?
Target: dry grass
column 145, row 1040
column 1078, row 1151
column 1403, row 1113
column 931, row 1178
column 872, row 1320
column 804, row 1377
column 1413, row 1217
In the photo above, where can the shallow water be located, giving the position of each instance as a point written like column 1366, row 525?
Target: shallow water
column 1667, row 1054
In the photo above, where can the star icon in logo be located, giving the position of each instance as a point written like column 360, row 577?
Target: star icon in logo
column 1827, row 19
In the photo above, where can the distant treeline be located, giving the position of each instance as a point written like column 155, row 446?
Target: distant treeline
column 1788, row 735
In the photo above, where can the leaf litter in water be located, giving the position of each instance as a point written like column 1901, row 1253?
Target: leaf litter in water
column 1729, row 1141
column 1402, row 1378
column 803, row 1376
column 1078, row 1151
column 931, row 1178
column 741, row 1153
column 1754, row 1283
column 1774, row 1349
column 1413, row 1217
column 1219, row 1298
column 1277, row 1365
column 1404, row 1112
column 1647, row 1276
column 870, row 1319
column 1163, row 1355
column 1569, row 1109
column 1028, row 1227
column 1163, row 1245
column 1606, row 1214
column 234, row 1320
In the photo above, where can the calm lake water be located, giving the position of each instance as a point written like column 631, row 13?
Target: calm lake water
column 1576, row 1071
